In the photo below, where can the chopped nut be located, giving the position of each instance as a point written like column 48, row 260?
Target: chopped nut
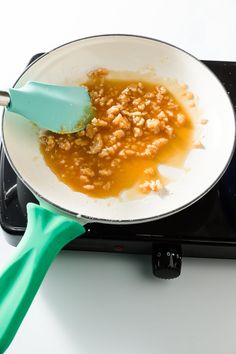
column 87, row 172
column 169, row 113
column 172, row 105
column 189, row 95
column 141, row 106
column 161, row 115
column 153, row 148
column 140, row 85
column 90, row 131
column 130, row 152
column 159, row 97
column 115, row 162
column 98, row 72
column 183, row 86
column 169, row 130
column 119, row 133
column 133, row 87
column 125, row 91
column 136, row 113
column 162, row 90
column 97, row 144
column 107, row 186
column 84, row 179
column 109, row 151
column 89, row 187
column 109, row 102
column 77, row 161
column 99, row 122
column 81, row 133
column 49, row 141
column 149, row 171
column 103, row 153
column 138, row 121
column 144, row 187
column 124, row 99
column 121, row 121
column 149, row 95
column 204, row 121
column 160, row 142
column 148, row 186
column 155, row 185
column 81, row 142
column 136, row 101
column 180, row 118
column 65, row 145
column 97, row 183
column 153, row 124
column 137, row 132
column 122, row 153
column 113, row 110
column 198, row 145
column 105, row 172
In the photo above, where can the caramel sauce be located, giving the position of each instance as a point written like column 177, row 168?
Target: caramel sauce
column 69, row 155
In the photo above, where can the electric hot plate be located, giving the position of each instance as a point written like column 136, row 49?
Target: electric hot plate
column 205, row 229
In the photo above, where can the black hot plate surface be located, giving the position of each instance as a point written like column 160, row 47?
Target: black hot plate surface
column 205, row 229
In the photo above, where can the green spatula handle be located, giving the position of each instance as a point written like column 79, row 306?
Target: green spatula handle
column 46, row 234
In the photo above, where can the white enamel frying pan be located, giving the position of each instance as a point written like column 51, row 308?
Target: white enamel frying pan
column 63, row 211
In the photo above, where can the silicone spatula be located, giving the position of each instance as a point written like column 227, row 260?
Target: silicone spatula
column 61, row 109
column 46, row 234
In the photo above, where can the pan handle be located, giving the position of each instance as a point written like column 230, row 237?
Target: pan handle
column 46, row 234
column 4, row 98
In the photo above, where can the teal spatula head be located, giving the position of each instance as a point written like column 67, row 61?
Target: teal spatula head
column 61, row 109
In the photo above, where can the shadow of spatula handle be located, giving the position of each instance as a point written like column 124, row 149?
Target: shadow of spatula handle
column 46, row 234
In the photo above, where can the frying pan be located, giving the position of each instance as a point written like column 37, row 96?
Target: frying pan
column 62, row 211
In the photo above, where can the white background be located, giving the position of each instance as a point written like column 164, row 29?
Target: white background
column 108, row 303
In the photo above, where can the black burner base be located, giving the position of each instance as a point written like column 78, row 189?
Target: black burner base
column 205, row 229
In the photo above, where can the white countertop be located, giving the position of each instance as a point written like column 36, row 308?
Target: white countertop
column 96, row 303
